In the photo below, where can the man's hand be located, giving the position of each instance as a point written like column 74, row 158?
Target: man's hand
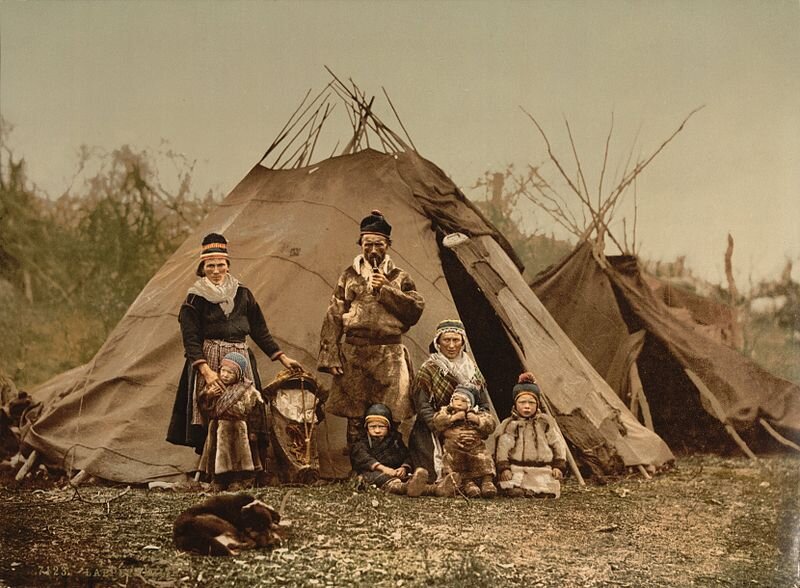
column 377, row 281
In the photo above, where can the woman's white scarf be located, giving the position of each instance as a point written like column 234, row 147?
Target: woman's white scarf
column 222, row 294
column 462, row 367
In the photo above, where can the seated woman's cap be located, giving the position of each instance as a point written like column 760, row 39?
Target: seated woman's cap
column 214, row 245
column 450, row 326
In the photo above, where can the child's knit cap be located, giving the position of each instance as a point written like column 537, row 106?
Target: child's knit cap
column 526, row 384
column 467, row 392
column 235, row 361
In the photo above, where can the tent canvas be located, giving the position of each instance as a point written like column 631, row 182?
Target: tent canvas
column 607, row 308
column 291, row 232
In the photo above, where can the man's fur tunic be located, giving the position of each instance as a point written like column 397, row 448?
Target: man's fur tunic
column 361, row 335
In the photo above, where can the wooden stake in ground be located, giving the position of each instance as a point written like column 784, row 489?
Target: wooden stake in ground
column 26, row 467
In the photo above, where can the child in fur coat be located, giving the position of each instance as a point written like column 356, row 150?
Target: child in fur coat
column 530, row 452
column 464, row 427
column 235, row 447
column 381, row 459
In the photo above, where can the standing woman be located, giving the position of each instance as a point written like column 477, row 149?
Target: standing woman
column 217, row 316
column 448, row 366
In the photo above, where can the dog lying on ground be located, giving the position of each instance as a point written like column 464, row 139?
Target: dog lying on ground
column 223, row 525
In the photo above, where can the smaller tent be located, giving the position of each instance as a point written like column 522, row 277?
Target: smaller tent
column 689, row 386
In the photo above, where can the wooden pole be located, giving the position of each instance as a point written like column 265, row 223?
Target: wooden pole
column 573, row 466
column 26, row 467
column 79, row 478
column 777, row 436
column 636, row 384
column 717, row 407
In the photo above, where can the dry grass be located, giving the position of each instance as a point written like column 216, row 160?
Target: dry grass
column 709, row 522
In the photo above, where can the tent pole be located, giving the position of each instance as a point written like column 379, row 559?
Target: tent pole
column 640, row 397
column 26, row 467
column 708, row 395
column 573, row 466
column 79, row 478
column 777, row 436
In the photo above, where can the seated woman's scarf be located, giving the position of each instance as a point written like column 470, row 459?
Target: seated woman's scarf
column 462, row 368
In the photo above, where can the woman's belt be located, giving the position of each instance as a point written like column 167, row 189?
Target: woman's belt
column 385, row 340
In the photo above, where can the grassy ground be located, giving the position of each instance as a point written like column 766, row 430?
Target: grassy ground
column 708, row 522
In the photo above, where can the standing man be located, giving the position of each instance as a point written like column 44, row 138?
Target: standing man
column 373, row 304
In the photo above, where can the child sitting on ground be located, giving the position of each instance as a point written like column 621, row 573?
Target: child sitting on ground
column 381, row 459
column 530, row 452
column 235, row 447
column 464, row 427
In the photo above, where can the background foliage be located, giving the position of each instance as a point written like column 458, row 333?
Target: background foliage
column 70, row 267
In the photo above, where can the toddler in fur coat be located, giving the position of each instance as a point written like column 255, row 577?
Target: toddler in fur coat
column 464, row 428
column 235, row 447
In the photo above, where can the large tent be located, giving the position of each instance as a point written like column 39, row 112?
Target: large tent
column 292, row 227
column 690, row 386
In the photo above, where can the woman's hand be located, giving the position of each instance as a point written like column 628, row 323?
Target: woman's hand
column 557, row 474
column 290, row 364
column 504, row 476
column 210, row 376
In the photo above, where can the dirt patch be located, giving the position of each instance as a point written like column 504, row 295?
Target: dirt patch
column 708, row 522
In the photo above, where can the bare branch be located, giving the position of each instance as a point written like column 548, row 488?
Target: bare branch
column 605, row 163
column 552, row 156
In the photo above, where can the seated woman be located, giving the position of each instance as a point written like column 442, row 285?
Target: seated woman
column 448, row 366
column 530, row 453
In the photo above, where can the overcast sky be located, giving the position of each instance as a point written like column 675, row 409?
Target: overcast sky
column 217, row 80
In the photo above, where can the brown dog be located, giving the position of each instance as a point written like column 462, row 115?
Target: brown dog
column 223, row 525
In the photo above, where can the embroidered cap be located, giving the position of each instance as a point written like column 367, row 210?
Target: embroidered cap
column 214, row 245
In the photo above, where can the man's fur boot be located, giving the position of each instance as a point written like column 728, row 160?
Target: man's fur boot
column 395, row 486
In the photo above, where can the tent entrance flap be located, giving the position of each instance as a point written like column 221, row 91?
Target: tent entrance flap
column 488, row 340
